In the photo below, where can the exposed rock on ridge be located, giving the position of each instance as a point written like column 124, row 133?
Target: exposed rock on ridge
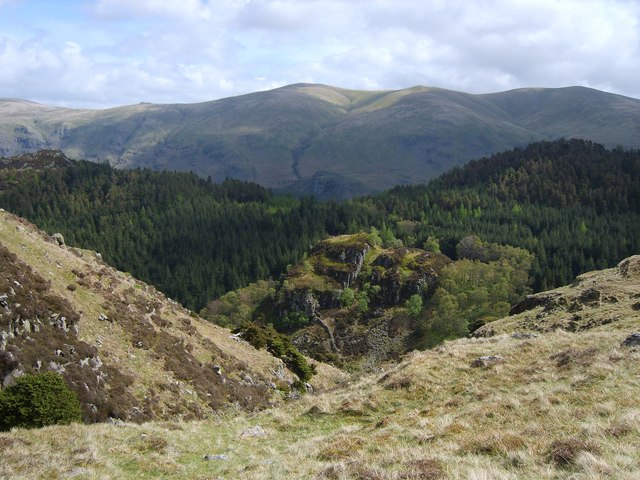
column 594, row 299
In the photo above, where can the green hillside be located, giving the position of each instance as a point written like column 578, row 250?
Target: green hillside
column 544, row 402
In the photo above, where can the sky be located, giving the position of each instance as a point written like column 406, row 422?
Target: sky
column 105, row 53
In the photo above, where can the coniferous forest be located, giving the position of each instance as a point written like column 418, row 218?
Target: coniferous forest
column 191, row 238
column 572, row 203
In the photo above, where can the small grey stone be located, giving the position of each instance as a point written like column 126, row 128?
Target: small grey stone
column 219, row 456
column 256, row 431
column 632, row 340
column 293, row 395
column 115, row 421
column 487, row 361
column 523, row 335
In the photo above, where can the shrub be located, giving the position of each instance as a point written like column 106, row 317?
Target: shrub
column 347, row 297
column 38, row 400
column 279, row 346
column 414, row 305
column 294, row 321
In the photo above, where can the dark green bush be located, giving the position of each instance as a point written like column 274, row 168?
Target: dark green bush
column 36, row 401
column 279, row 345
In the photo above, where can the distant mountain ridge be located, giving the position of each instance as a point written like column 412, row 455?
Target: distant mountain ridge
column 321, row 139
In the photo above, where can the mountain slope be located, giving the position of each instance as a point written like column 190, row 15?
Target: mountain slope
column 124, row 348
column 322, row 139
column 557, row 405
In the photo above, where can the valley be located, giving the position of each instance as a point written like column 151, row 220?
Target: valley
column 519, row 401
column 408, row 334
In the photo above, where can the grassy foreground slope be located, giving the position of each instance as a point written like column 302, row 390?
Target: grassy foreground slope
column 124, row 348
column 557, row 404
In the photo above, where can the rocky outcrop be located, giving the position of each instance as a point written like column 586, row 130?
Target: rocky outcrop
column 355, row 326
column 592, row 300
column 341, row 258
column 402, row 272
column 40, row 160
column 354, row 258
column 548, row 300
column 303, row 301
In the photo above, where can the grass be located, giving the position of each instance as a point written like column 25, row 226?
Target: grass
column 528, row 417
column 175, row 346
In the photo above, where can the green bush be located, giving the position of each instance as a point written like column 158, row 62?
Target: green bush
column 293, row 321
column 279, row 345
column 38, row 400
column 414, row 305
column 347, row 297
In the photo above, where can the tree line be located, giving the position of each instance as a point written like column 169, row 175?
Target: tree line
column 572, row 203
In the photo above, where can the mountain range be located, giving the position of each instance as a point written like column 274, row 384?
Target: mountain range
column 319, row 139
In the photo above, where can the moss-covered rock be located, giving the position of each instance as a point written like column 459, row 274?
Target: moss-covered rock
column 352, row 292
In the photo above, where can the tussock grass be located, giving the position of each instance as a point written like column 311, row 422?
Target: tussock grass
column 504, row 423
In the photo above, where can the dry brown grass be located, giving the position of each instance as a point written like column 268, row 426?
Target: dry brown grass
column 565, row 452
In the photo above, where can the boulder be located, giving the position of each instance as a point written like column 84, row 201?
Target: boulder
column 58, row 239
column 487, row 361
column 632, row 340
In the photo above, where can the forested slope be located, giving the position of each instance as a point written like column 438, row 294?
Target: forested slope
column 191, row 238
column 572, row 203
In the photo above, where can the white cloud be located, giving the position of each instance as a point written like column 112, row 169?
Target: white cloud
column 197, row 50
column 119, row 9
